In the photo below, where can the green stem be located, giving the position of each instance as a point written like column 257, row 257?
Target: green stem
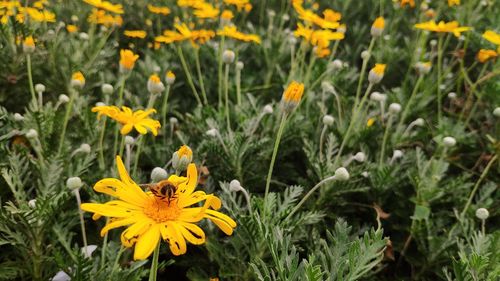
column 275, row 152
column 153, row 272
column 321, row 140
column 226, row 96
column 188, row 75
column 101, row 149
column 362, row 74
column 219, row 70
column 408, row 103
column 476, row 186
column 30, row 78
column 164, row 108
column 439, row 81
column 137, row 155
column 82, row 222
column 66, row 119
column 238, row 86
column 104, row 246
column 386, row 135
column 200, row 76
column 351, row 124
column 120, row 103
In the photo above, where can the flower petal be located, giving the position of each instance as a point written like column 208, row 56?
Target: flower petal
column 193, row 233
column 188, row 187
column 176, row 241
column 117, row 223
column 106, row 210
column 147, row 242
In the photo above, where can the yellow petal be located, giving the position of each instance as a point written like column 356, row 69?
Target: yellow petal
column 141, row 129
column 188, row 187
column 117, row 223
column 176, row 241
column 147, row 242
column 193, row 233
column 126, row 129
column 105, row 210
column 186, row 201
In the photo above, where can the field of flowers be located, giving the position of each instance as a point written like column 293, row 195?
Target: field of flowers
column 250, row 140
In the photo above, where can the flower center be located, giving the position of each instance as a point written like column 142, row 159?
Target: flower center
column 162, row 210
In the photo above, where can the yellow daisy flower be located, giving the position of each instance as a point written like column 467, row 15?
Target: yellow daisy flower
column 453, row 3
column 158, row 10
column 127, row 59
column 409, row 2
column 485, row 55
column 232, row 32
column 71, row 28
column 493, row 37
column 151, row 217
column 135, row 33
column 240, row 4
column 137, row 120
column 451, row 27
column 293, row 93
column 105, row 5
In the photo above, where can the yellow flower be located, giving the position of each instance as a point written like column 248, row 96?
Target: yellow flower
column 158, row 10
column 170, row 77
column 135, row 33
column 379, row 23
column 206, row 11
column 29, row 44
column 36, row 15
column 227, row 15
column 155, row 86
column 105, row 5
column 248, row 7
column 188, row 3
column 410, row 2
column 71, row 28
column 184, row 33
column 100, row 17
column 182, row 158
column 293, row 93
column 330, row 21
column 452, row 27
column 232, row 32
column 485, row 55
column 319, row 38
column 370, row 122
column 240, row 4
column 150, row 217
column 453, row 3
column 40, row 4
column 493, row 37
column 376, row 73
column 137, row 120
column 127, row 59
column 78, row 80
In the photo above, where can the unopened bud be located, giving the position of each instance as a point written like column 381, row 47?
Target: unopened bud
column 182, row 158
column 328, row 120
column 158, row 174
column 18, row 117
column 235, row 186
column 419, row 122
column 212, row 132
column 341, row 174
column 449, row 141
column 240, row 65
column 482, row 213
column 32, row 203
column 32, row 134
column 129, row 140
column 40, row 88
column 268, row 109
column 63, row 98
column 496, row 112
column 74, row 183
column 107, row 89
column 360, row 157
column 365, row 55
column 228, row 56
column 394, row 108
column 452, row 95
column 85, row 148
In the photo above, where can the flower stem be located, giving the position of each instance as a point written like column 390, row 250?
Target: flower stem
column 188, row 75
column 153, row 272
column 476, row 186
column 439, row 81
column 66, row 119
column 164, row 106
column 80, row 213
column 275, row 152
column 351, row 124
column 30, row 78
column 362, row 74
column 238, row 87
column 219, row 70
column 101, row 149
column 120, row 103
column 200, row 76
column 321, row 140
column 137, row 155
column 386, row 135
column 226, row 96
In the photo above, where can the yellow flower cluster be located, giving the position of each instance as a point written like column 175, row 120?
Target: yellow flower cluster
column 240, row 4
column 232, row 32
column 36, row 13
column 137, row 120
column 101, row 17
column 183, row 33
column 106, row 6
column 320, row 38
column 158, row 10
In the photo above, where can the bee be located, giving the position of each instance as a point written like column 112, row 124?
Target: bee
column 163, row 190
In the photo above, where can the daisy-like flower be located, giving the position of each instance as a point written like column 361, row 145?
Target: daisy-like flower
column 377, row 27
column 137, row 120
column 330, row 20
column 135, row 33
column 450, row 27
column 36, row 15
column 127, row 60
column 409, row 2
column 493, row 37
column 29, row 44
column 232, row 32
column 100, row 17
column 376, row 73
column 240, row 4
column 206, row 11
column 158, row 10
column 485, row 55
column 150, row 217
column 77, row 80
column 292, row 95
column 71, row 28
column 453, row 3
column 105, row 5
column 155, row 86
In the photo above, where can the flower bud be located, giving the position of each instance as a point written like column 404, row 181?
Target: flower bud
column 84, row 36
column 228, row 56
column 77, row 80
column 327, row 87
column 337, row 64
column 496, row 112
column 268, row 109
column 235, row 186
column 29, row 45
column 32, row 134
column 170, row 78
column 240, row 65
column 107, row 89
column 100, row 103
column 158, row 174
column 378, row 97
column 341, row 174
column 212, row 132
column 74, row 18
column 376, row 73
column 63, row 98
column 173, row 120
column 449, row 141
column 365, row 174
column 129, row 140
column 360, row 157
column 394, row 108
column 419, row 122
column 61, row 276
column 40, row 88
column 396, row 154
column 482, row 213
column 18, row 117
column 365, row 55
column 74, row 183
column 433, row 42
column 292, row 96
column 423, row 67
column 87, row 251
column 85, row 148
column 32, row 203
column 328, row 120
column 377, row 27
column 155, row 86
column 182, row 158
column 452, row 95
